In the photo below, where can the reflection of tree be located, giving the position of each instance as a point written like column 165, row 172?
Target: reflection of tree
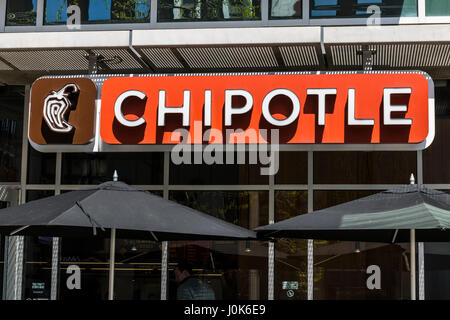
column 21, row 12
column 129, row 10
column 120, row 10
column 209, row 10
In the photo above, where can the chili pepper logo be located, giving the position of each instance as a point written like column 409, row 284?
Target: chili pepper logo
column 57, row 106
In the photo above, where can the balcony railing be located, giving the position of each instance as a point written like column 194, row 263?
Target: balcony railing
column 59, row 15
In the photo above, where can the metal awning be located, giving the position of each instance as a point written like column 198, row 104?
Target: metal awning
column 25, row 56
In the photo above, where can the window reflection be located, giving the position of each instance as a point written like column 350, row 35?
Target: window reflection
column 359, row 8
column 21, row 13
column 234, row 269
column 99, row 11
column 11, row 122
column 437, row 8
column 286, row 9
column 208, row 10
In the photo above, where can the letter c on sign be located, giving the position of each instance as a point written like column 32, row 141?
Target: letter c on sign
column 118, row 108
column 295, row 107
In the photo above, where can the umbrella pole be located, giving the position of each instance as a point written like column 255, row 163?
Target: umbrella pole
column 413, row 263
column 112, row 258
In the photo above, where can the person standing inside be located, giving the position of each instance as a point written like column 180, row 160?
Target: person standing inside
column 189, row 286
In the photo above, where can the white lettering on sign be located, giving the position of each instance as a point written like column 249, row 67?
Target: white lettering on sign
column 351, row 112
column 321, row 93
column 295, row 107
column 118, row 108
column 208, row 102
column 388, row 108
column 184, row 110
column 229, row 110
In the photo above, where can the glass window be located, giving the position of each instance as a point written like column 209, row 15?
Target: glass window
column 389, row 167
column 94, row 168
column 99, row 11
column 41, row 167
column 249, row 209
column 234, row 270
column 437, row 8
column 217, row 174
column 38, row 194
column 358, row 8
column 11, row 120
column 285, row 9
column 437, row 270
column 37, row 268
column 325, row 199
column 208, row 10
column 435, row 157
column 21, row 13
column 293, row 168
column 231, row 269
column 137, row 270
column 341, row 270
column 291, row 255
column 341, row 267
column 89, row 257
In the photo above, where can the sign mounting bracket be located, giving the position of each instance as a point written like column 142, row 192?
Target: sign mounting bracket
column 367, row 57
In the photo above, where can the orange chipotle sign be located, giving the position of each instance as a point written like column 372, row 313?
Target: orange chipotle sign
column 306, row 109
column 373, row 110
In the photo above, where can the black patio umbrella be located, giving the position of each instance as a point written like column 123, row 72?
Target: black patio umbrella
column 115, row 205
column 118, row 207
column 387, row 216
column 403, row 214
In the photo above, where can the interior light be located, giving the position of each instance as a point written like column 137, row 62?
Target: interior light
column 247, row 247
column 357, row 247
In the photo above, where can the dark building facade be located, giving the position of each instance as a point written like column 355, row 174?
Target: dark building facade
column 39, row 38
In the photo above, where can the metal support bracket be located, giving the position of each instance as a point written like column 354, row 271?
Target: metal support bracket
column 367, row 57
column 97, row 60
column 93, row 62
